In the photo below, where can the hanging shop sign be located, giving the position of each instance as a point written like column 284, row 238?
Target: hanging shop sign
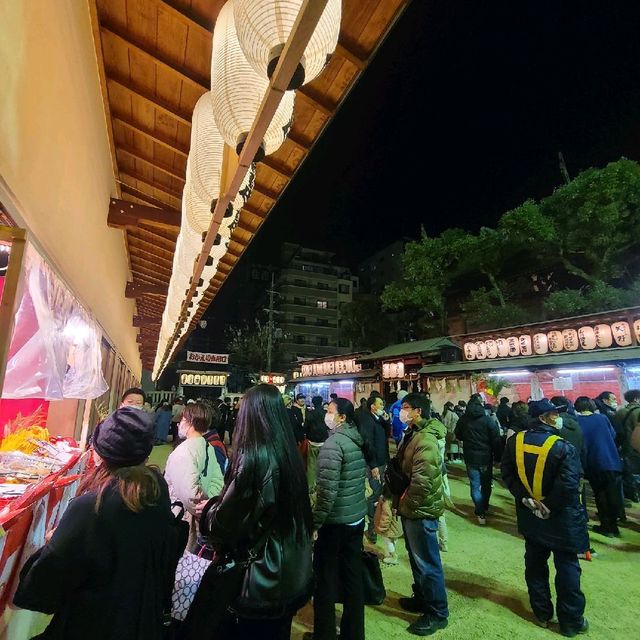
column 563, row 384
column 203, row 379
column 272, row 378
column 393, row 370
column 208, row 358
column 330, row 368
column 599, row 336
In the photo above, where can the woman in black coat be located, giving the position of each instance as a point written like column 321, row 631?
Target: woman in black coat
column 263, row 506
column 108, row 571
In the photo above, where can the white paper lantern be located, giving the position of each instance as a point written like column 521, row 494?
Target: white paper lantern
column 622, row 334
column 492, row 348
column 525, row 345
column 587, row 337
column 470, row 350
column 556, row 341
column 481, row 350
column 514, row 346
column 503, row 347
column 540, row 344
column 570, row 340
column 238, row 91
column 604, row 337
column 263, row 27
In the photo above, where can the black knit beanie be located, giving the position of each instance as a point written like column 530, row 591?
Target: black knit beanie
column 125, row 438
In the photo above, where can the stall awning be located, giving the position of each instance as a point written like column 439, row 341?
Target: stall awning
column 410, row 348
column 367, row 373
column 555, row 360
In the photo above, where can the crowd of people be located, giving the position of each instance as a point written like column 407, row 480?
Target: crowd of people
column 265, row 503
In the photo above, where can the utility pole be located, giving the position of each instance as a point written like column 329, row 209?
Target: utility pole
column 563, row 168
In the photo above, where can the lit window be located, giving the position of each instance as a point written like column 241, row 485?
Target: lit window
column 322, row 304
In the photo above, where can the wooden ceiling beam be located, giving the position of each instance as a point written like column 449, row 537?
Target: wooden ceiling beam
column 150, row 200
column 129, row 214
column 144, row 321
column 161, row 241
column 155, row 164
column 151, row 249
column 274, row 166
column 296, row 140
column 162, row 269
column 137, row 289
column 154, row 101
column 134, row 175
column 255, row 212
column 151, row 274
column 152, row 135
column 267, row 193
column 316, row 102
column 205, row 25
column 157, row 57
column 348, row 54
column 241, row 226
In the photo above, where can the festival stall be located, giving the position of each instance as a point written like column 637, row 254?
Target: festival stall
column 342, row 375
column 51, row 367
column 571, row 357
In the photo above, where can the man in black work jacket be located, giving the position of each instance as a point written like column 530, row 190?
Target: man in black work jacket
column 543, row 472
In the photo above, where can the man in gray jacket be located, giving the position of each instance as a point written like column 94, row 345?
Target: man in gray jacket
column 338, row 519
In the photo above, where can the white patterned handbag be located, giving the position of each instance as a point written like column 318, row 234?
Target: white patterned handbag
column 189, row 573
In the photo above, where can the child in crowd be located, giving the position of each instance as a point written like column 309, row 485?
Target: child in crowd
column 387, row 526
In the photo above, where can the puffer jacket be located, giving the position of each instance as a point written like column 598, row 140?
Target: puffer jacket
column 385, row 522
column 280, row 581
column 341, row 474
column 421, row 462
column 566, row 528
column 479, row 434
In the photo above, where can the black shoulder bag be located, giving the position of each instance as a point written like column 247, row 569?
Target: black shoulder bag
column 396, row 480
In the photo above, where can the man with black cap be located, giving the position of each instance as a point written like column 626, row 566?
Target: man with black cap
column 543, row 472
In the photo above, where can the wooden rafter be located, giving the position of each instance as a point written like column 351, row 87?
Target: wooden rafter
column 190, row 16
column 155, row 164
column 350, row 55
column 255, row 212
column 316, row 102
column 136, row 289
column 267, row 193
column 274, row 166
column 129, row 214
column 156, row 57
column 163, row 106
column 148, row 261
column 296, row 140
column 152, row 135
column 134, row 175
column 151, row 249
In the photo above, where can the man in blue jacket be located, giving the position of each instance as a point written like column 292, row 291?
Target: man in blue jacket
column 396, row 423
column 542, row 471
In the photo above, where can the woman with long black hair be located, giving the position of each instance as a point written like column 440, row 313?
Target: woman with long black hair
column 263, row 509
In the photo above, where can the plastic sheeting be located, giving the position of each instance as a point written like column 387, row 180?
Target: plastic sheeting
column 55, row 348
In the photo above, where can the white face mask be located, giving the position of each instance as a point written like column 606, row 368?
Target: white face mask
column 558, row 423
column 404, row 416
column 613, row 404
column 330, row 421
column 379, row 412
column 183, row 430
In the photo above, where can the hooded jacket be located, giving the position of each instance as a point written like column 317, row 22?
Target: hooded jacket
column 421, row 462
column 566, row 528
column 479, row 434
column 341, row 474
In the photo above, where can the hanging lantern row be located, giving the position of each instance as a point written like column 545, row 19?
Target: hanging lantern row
column 264, row 26
column 248, row 39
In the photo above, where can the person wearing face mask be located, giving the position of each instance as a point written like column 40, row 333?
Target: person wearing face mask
column 542, row 471
column 192, row 471
column 297, row 415
column 568, row 427
column 338, row 519
column 374, row 426
column 420, row 506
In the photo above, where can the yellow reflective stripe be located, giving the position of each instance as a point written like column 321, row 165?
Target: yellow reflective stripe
column 520, row 462
column 543, row 453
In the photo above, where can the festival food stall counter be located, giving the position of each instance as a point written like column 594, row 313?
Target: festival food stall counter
column 50, row 361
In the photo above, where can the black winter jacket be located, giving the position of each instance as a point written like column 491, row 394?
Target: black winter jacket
column 480, row 436
column 315, row 427
column 566, row 528
column 571, row 432
column 297, row 423
column 375, row 433
column 279, row 582
column 341, row 473
column 105, row 575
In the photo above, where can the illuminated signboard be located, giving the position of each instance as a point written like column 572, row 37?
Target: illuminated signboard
column 599, row 336
column 202, row 379
column 330, row 368
column 393, row 370
column 272, row 378
column 208, row 358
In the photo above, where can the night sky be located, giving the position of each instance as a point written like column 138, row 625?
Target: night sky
column 459, row 118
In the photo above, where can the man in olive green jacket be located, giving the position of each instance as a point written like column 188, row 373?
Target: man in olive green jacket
column 420, row 506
